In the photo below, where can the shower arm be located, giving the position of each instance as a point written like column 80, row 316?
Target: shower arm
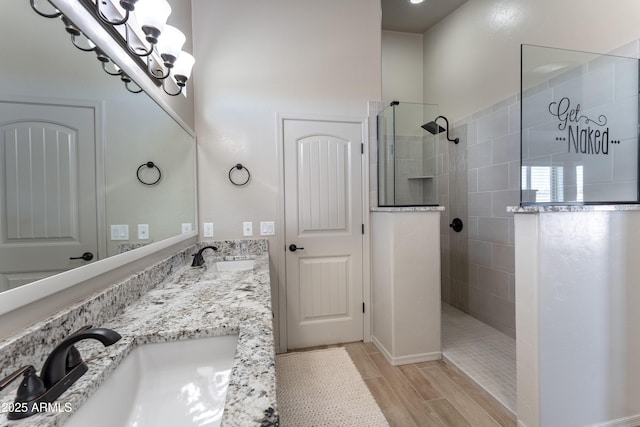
column 455, row 140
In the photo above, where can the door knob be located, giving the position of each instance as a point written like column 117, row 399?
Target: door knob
column 294, row 248
column 87, row 256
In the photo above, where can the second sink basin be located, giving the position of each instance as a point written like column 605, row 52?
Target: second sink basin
column 180, row 383
column 243, row 264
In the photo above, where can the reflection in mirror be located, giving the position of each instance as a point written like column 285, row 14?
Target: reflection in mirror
column 71, row 141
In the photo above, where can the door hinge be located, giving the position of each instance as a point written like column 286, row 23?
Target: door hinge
column 362, row 228
column 363, row 307
column 362, row 148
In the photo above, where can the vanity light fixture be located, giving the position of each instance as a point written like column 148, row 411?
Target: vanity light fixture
column 139, row 26
column 415, row 1
column 434, row 128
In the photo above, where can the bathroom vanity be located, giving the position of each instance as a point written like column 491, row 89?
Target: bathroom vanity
column 168, row 302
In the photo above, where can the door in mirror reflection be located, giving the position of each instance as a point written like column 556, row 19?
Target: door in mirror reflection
column 48, row 191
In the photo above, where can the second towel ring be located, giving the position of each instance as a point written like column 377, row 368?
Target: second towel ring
column 234, row 178
column 149, row 165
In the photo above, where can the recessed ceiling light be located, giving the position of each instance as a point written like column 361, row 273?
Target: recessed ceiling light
column 415, row 1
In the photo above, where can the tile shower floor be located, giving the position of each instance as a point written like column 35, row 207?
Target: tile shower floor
column 483, row 353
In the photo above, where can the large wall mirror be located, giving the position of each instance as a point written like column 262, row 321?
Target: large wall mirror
column 74, row 143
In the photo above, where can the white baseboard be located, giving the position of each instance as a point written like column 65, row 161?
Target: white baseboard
column 404, row 360
column 633, row 421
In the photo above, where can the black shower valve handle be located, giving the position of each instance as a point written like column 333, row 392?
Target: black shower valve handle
column 456, row 225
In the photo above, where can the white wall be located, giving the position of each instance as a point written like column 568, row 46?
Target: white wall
column 472, row 58
column 258, row 59
column 578, row 321
column 402, row 65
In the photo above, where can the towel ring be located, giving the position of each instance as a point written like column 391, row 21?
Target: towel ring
column 238, row 170
column 149, row 165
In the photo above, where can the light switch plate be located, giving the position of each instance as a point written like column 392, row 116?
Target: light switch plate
column 143, row 231
column 119, row 232
column 207, row 229
column 267, row 228
column 247, row 229
column 186, row 227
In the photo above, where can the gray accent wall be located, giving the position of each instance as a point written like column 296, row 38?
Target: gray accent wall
column 455, row 253
column 479, row 178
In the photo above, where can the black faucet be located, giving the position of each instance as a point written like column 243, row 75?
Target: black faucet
column 63, row 367
column 198, row 259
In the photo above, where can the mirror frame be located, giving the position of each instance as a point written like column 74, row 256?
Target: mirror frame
column 18, row 297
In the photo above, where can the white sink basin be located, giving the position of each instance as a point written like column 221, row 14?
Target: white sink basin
column 182, row 383
column 243, row 264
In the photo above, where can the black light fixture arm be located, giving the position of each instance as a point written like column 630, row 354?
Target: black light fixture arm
column 90, row 46
column 127, row 82
column 55, row 14
column 144, row 51
column 180, row 83
column 455, row 140
column 128, row 6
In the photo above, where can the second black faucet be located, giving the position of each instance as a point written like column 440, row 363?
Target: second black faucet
column 198, row 259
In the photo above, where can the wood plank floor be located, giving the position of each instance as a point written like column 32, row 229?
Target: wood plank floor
column 425, row 394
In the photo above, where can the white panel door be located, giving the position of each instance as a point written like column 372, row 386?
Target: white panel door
column 48, row 208
column 323, row 219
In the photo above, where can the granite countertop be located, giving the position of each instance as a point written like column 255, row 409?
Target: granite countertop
column 534, row 209
column 407, row 209
column 193, row 303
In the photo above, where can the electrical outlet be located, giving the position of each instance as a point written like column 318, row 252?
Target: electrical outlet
column 143, row 231
column 247, row 229
column 208, row 229
column 267, row 228
column 186, row 227
column 120, row 232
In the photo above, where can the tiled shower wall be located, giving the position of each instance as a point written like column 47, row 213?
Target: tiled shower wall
column 482, row 176
column 493, row 183
column 406, row 155
column 477, row 179
column 414, row 162
column 452, row 182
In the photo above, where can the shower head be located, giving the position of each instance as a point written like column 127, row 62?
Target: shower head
column 434, row 128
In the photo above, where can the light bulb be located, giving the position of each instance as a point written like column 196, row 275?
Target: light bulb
column 153, row 14
column 183, row 66
column 170, row 44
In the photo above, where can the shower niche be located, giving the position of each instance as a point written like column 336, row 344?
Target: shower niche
column 407, row 155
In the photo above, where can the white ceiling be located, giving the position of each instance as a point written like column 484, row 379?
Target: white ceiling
column 400, row 15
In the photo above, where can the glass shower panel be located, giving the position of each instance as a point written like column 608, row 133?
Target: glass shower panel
column 579, row 127
column 407, row 156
